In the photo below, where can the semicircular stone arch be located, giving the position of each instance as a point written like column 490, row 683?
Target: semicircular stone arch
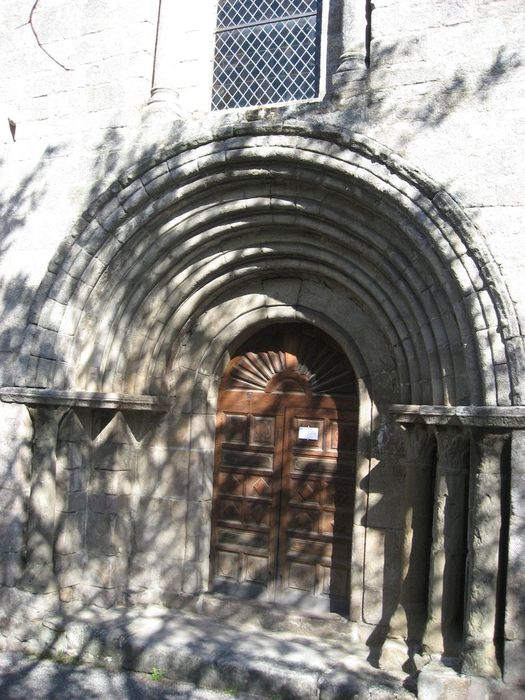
column 257, row 222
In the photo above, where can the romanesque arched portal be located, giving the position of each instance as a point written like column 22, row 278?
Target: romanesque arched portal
column 185, row 257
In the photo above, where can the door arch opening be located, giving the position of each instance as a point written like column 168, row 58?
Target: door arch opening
column 285, row 466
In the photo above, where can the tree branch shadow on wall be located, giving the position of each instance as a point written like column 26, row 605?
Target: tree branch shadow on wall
column 114, row 559
column 377, row 99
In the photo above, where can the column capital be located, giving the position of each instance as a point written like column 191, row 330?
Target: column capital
column 453, row 444
column 418, row 443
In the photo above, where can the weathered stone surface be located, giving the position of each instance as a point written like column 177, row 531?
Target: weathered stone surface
column 208, row 652
column 386, row 213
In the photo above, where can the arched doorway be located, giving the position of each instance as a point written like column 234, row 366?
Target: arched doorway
column 284, row 478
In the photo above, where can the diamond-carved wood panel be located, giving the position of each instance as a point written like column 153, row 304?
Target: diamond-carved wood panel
column 230, row 510
column 302, row 576
column 228, row 564
column 257, row 513
column 255, row 569
column 303, row 520
column 259, row 486
column 306, row 491
column 231, row 483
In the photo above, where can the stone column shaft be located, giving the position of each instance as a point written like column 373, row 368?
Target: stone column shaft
column 39, row 575
column 447, row 560
column 163, row 91
column 354, row 28
column 483, row 556
column 409, row 618
column 418, row 504
column 514, row 671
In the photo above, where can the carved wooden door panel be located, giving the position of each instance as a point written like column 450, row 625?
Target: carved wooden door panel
column 284, row 481
column 246, row 503
column 317, row 502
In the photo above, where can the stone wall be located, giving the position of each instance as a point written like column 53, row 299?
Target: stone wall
column 121, row 514
column 443, row 90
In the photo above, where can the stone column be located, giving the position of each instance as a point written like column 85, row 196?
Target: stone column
column 443, row 632
column 419, row 453
column 514, row 671
column 483, row 555
column 354, row 31
column 164, row 96
column 39, row 575
column 408, row 621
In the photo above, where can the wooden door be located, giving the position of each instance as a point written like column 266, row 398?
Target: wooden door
column 317, row 502
column 285, row 478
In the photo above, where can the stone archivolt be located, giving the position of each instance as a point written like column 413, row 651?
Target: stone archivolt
column 184, row 258
column 261, row 223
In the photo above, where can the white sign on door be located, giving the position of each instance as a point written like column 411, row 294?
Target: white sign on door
column 307, row 432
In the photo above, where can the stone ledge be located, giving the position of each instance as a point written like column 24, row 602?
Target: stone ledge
column 85, row 399
column 508, row 417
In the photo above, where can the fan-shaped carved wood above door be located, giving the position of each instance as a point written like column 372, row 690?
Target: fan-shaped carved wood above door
column 291, row 359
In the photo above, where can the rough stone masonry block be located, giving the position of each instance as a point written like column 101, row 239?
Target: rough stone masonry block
column 436, row 682
column 163, row 472
column 373, row 578
column 200, row 465
column 160, row 526
column 172, row 430
column 69, row 569
column 112, row 482
column 98, row 539
column 514, row 673
column 10, row 568
column 70, row 536
column 113, row 456
column 12, row 520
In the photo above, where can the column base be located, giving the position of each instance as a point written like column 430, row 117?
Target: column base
column 351, row 73
column 480, row 660
column 352, row 66
column 439, row 681
column 165, row 100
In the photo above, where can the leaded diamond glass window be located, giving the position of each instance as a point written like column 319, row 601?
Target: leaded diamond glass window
column 266, row 52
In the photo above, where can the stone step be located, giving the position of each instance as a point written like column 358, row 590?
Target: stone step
column 207, row 650
column 254, row 615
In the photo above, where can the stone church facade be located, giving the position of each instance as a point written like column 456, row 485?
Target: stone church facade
column 269, row 348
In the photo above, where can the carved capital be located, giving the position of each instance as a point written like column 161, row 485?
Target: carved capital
column 452, row 449
column 418, row 444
